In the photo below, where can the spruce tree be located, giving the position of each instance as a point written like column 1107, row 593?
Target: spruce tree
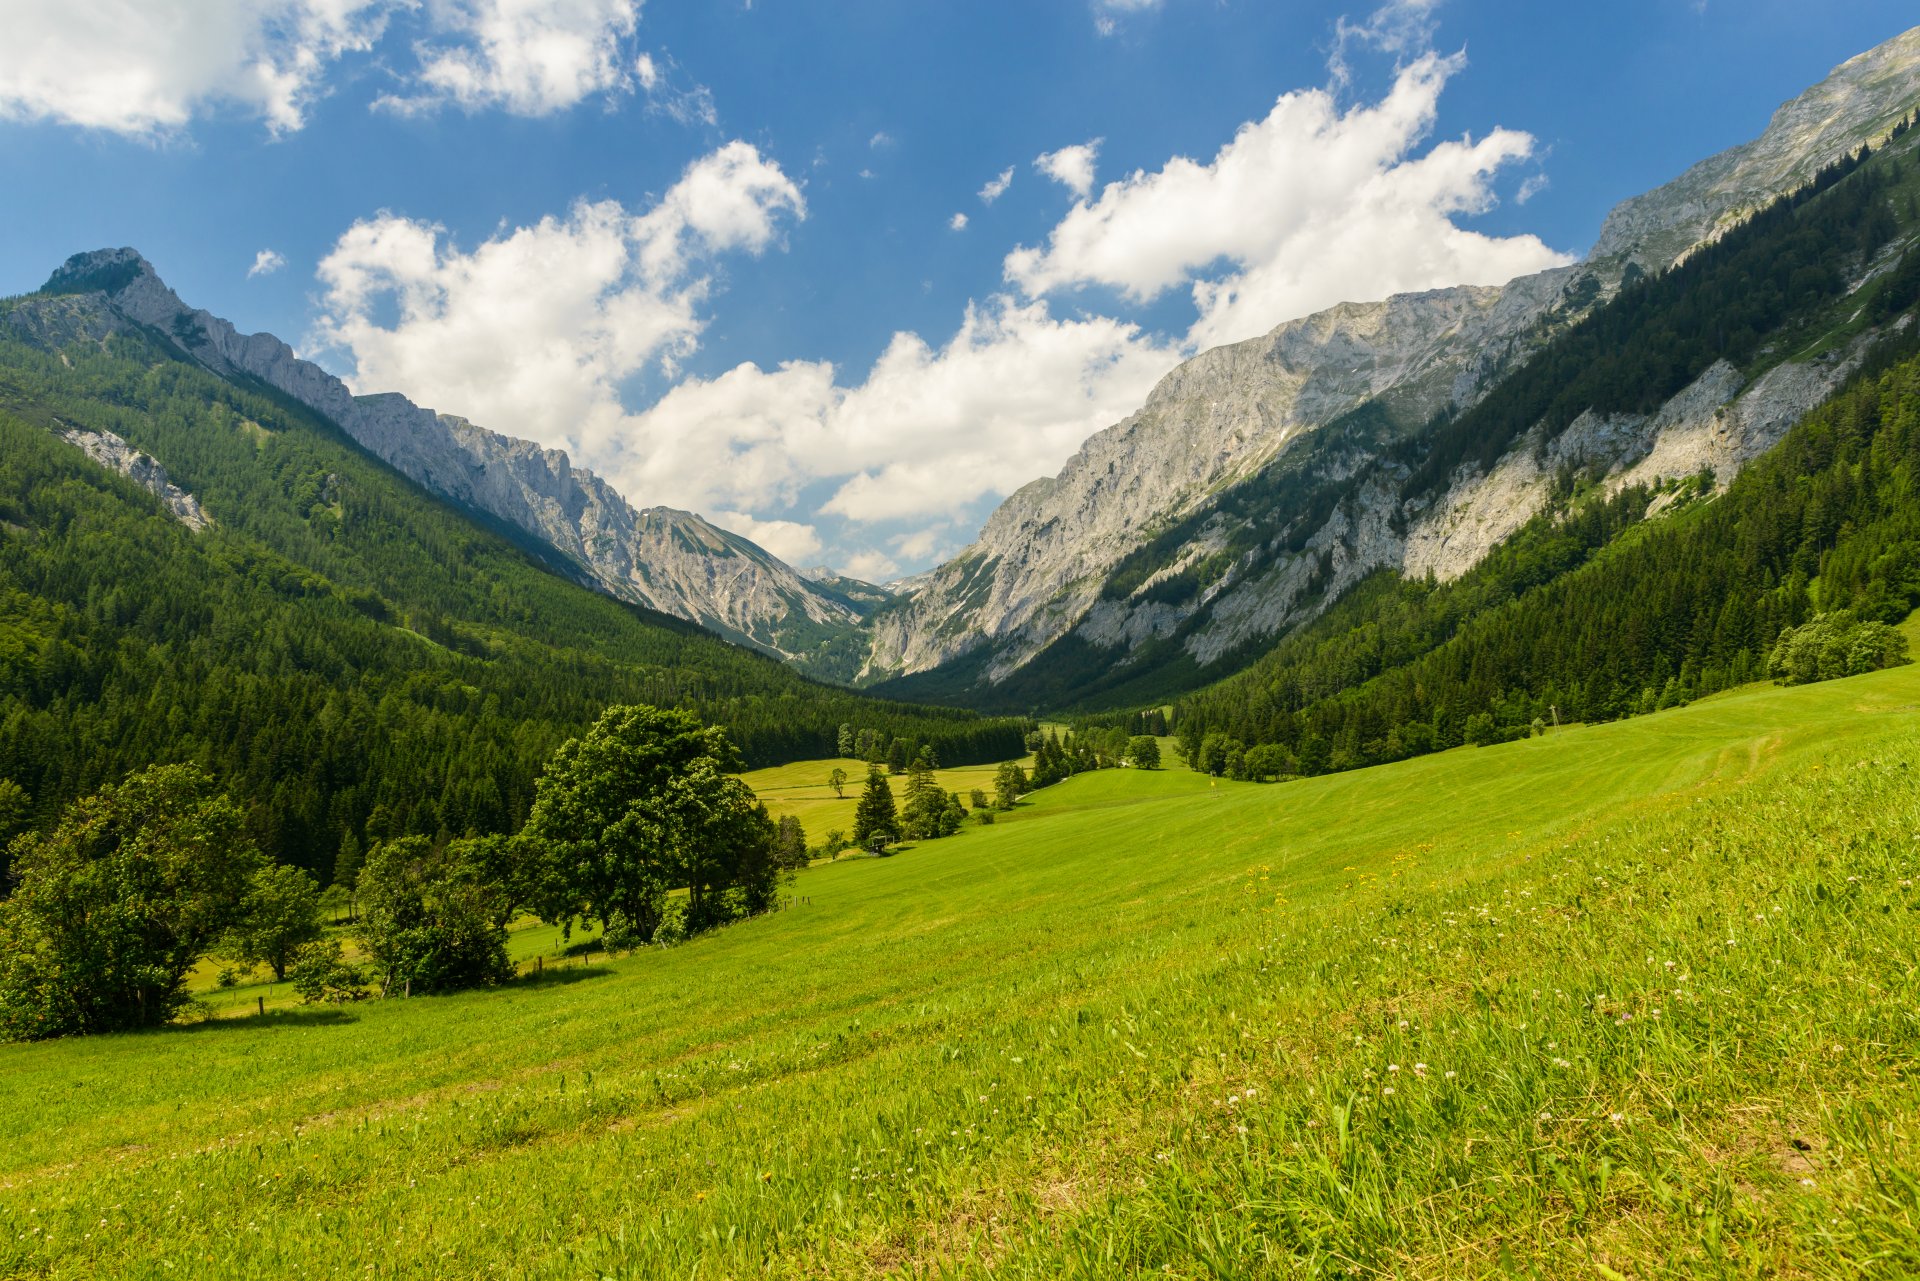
column 876, row 822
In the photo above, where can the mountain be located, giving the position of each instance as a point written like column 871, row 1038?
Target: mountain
column 668, row 560
column 196, row 566
column 1179, row 542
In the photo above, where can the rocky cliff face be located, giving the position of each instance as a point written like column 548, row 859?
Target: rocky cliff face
column 1044, row 566
column 115, row 454
column 668, row 560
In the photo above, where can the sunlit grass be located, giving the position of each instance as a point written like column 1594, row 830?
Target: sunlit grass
column 1145, row 1026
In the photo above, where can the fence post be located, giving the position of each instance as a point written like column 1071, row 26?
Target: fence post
column 263, row 1005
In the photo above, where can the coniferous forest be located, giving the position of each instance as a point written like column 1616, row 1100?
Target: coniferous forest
column 349, row 657
column 1594, row 615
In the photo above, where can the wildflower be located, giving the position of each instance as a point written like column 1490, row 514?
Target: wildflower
column 1387, row 1090
column 1451, row 1075
column 1419, row 1069
column 1393, row 1067
column 1806, row 1183
column 1618, row 1118
column 1240, row 1129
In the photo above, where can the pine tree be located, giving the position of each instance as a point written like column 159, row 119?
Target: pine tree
column 876, row 821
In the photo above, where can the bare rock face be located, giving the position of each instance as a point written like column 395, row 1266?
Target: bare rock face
column 115, row 454
column 671, row 561
column 1043, row 565
column 1855, row 105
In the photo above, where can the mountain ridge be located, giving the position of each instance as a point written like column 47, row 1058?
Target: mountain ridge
column 666, row 559
column 1048, row 564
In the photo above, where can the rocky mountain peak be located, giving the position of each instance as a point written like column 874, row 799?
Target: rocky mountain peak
column 668, row 560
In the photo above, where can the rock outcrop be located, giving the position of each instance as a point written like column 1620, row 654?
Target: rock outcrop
column 115, row 454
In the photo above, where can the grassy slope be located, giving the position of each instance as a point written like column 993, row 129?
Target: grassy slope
column 801, row 789
column 1033, row 1047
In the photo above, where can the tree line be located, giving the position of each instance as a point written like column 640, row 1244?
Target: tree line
column 638, row 825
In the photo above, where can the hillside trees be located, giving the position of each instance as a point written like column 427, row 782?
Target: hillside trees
column 1144, row 751
column 347, row 656
column 1713, row 597
column 115, row 904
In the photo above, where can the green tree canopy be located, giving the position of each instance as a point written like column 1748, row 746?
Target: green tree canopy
column 427, row 927
column 118, row 902
column 280, row 915
column 640, row 804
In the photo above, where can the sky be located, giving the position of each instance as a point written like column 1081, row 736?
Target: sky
column 841, row 277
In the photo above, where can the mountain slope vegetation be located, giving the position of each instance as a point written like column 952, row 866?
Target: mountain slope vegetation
column 351, row 657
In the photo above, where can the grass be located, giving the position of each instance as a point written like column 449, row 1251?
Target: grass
column 1629, row 1000
column 801, row 789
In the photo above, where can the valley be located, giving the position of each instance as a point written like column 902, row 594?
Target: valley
column 1484, row 1005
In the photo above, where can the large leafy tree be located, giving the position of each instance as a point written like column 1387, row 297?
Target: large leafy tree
column 280, row 915
column 640, row 804
column 428, row 925
column 118, row 902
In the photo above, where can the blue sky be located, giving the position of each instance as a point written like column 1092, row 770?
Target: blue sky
column 711, row 248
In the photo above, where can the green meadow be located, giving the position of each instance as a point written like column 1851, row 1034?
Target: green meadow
column 1628, row 1000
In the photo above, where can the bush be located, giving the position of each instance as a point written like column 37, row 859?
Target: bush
column 1835, row 645
column 322, row 975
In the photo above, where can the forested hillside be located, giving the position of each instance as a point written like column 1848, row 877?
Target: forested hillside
column 1805, row 275
column 1597, row 614
column 351, row 658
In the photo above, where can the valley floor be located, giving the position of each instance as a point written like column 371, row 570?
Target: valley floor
column 1628, row 1000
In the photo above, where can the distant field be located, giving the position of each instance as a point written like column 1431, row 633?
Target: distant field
column 1628, row 1000
column 801, row 790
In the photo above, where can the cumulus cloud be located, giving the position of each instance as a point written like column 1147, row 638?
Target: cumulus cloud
column 998, row 187
column 532, row 332
column 1309, row 206
column 957, row 223
column 147, row 68
column 144, row 69
column 528, row 57
column 791, row 541
column 265, row 263
column 1072, row 167
column 926, row 433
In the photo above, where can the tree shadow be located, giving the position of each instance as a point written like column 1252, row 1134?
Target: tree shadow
column 559, row 975
column 302, row 1016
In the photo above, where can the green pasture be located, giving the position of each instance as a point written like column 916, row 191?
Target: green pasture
column 1629, row 1000
column 801, row 789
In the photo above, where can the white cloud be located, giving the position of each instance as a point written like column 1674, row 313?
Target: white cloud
column 924, row 436
column 998, row 187
column 1309, row 207
column 532, row 332
column 871, row 566
column 958, row 222
column 528, row 57
column 688, row 106
column 1402, row 28
column 265, row 263
column 1104, row 12
column 145, row 69
column 1072, row 167
column 879, row 140
column 791, row 541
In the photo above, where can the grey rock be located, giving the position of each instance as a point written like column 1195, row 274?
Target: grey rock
column 115, row 454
